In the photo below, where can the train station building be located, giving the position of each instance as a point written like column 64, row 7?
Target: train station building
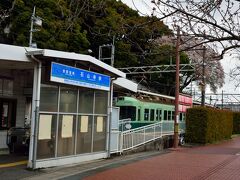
column 65, row 98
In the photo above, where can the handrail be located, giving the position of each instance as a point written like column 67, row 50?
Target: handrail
column 121, row 121
column 132, row 138
column 138, row 136
column 146, row 126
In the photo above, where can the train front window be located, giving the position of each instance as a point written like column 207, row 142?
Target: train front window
column 128, row 112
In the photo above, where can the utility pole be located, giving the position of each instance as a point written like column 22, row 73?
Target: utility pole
column 113, row 51
column 31, row 28
column 35, row 20
column 176, row 117
column 222, row 99
column 203, row 78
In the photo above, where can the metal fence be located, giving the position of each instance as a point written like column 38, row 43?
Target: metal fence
column 123, row 139
column 138, row 136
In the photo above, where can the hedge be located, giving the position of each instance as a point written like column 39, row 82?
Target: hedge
column 236, row 123
column 206, row 125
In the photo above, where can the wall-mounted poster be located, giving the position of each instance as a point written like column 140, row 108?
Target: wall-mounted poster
column 84, row 124
column 67, row 126
column 45, row 126
column 99, row 124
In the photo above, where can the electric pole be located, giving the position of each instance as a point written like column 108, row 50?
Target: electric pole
column 203, row 78
column 35, row 20
column 31, row 28
column 176, row 117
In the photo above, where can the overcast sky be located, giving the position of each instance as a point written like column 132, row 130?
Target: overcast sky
column 144, row 7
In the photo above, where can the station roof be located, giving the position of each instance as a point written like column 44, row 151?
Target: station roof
column 46, row 54
column 124, row 83
column 14, row 57
column 18, row 57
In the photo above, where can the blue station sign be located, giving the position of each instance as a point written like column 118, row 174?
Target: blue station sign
column 74, row 76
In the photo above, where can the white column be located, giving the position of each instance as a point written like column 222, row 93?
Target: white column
column 35, row 113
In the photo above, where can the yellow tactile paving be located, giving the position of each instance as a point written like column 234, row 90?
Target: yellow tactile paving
column 6, row 165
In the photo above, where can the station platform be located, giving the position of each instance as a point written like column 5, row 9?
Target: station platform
column 217, row 161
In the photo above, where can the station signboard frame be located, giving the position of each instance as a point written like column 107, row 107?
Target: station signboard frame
column 65, row 74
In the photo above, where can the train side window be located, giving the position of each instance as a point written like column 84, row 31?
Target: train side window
column 173, row 115
column 165, row 115
column 139, row 115
column 146, row 114
column 152, row 115
column 181, row 117
column 169, row 115
column 160, row 115
column 128, row 112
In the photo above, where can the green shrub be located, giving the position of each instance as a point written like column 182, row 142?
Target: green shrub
column 236, row 123
column 206, row 125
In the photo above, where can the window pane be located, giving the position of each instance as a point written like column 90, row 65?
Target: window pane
column 180, row 117
column 184, row 115
column 169, row 115
column 85, row 101
column 68, row 100
column 128, row 112
column 139, row 114
column 66, row 128
column 173, row 115
column 101, row 102
column 160, row 115
column 99, row 136
column 146, row 114
column 84, row 134
column 48, row 98
column 152, row 115
column 165, row 115
column 5, row 123
column 46, row 136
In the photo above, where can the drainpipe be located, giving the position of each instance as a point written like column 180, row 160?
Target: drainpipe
column 35, row 112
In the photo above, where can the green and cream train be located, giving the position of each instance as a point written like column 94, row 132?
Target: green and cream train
column 145, row 111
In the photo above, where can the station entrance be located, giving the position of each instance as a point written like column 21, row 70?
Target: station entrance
column 16, row 82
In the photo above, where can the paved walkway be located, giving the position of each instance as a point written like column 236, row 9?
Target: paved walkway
column 213, row 162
